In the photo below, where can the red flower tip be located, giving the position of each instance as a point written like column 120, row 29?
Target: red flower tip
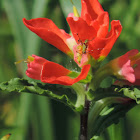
column 35, row 67
column 127, row 66
column 80, row 29
column 100, row 47
column 56, row 74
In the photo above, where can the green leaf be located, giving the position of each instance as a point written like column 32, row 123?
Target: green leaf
column 16, row 10
column 74, row 74
column 115, row 91
column 61, row 93
column 109, row 105
column 107, row 115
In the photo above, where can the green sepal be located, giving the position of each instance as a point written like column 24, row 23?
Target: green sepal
column 84, row 81
column 63, row 94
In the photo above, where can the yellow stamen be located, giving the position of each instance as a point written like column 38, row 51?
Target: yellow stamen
column 79, row 49
column 23, row 60
column 28, row 60
column 75, row 11
column 79, row 53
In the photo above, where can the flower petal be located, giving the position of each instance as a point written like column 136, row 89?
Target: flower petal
column 48, row 31
column 93, row 13
column 121, row 67
column 91, row 7
column 35, row 67
column 80, row 29
column 128, row 72
column 124, row 58
column 56, row 74
column 100, row 47
column 103, row 23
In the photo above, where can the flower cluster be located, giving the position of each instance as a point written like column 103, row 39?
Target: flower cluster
column 88, row 45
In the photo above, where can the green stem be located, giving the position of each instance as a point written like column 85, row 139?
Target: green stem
column 80, row 91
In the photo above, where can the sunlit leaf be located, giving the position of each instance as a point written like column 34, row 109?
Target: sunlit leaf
column 57, row 92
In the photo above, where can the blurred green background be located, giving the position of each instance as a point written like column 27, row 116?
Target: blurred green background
column 31, row 117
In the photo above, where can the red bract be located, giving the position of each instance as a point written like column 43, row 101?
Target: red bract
column 90, row 32
column 127, row 67
column 53, row 73
column 48, row 31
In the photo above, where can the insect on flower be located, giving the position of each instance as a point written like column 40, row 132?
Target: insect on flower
column 83, row 47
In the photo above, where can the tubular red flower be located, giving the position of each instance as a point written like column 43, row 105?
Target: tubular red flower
column 56, row 74
column 136, row 74
column 127, row 66
column 92, row 27
column 100, row 47
column 48, row 31
column 53, row 73
column 35, row 67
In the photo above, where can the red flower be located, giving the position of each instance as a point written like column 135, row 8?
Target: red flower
column 90, row 33
column 127, row 67
column 48, row 31
column 53, row 73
